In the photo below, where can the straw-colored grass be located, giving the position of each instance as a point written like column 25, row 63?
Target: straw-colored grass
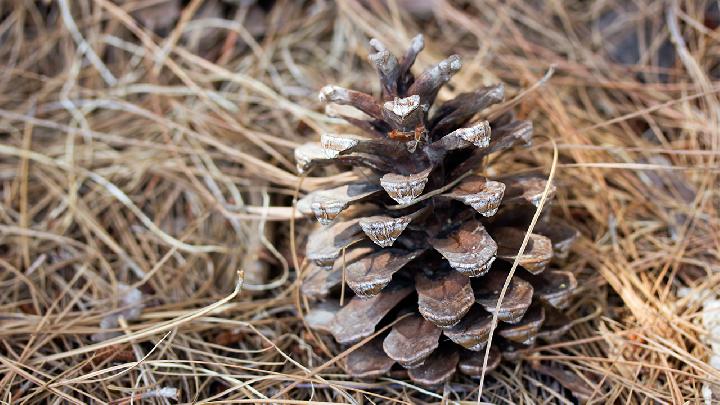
column 146, row 168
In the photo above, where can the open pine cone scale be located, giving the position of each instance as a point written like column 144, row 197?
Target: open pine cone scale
column 427, row 237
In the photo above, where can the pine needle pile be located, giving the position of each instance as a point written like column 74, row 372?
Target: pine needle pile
column 150, row 251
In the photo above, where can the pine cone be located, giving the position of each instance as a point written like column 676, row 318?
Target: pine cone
column 435, row 228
